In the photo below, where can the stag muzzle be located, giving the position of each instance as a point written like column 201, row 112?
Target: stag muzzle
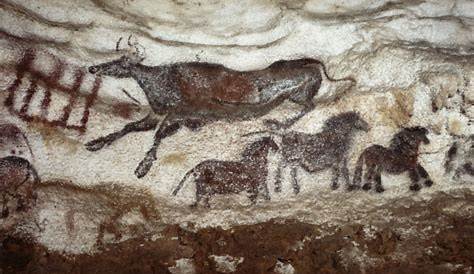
column 93, row 69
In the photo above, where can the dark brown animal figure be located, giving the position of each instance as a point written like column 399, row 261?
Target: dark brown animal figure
column 13, row 141
column 18, row 179
column 194, row 94
column 325, row 150
column 226, row 177
column 400, row 156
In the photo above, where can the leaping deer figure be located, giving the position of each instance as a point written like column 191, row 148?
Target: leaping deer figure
column 193, row 94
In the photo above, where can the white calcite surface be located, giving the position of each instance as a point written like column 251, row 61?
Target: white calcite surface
column 412, row 62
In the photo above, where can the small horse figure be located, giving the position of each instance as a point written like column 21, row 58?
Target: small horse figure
column 400, row 156
column 227, row 177
column 324, row 150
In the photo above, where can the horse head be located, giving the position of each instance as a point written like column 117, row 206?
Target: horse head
column 410, row 137
column 260, row 147
column 124, row 66
column 419, row 134
column 346, row 121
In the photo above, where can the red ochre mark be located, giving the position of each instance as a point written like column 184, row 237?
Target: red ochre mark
column 50, row 83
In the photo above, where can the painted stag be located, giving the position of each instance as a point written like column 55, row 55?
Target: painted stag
column 193, row 94
column 400, row 156
column 228, row 177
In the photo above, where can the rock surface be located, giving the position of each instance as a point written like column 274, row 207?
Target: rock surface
column 399, row 73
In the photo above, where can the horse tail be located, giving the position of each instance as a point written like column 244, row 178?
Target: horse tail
column 358, row 170
column 180, row 185
column 33, row 173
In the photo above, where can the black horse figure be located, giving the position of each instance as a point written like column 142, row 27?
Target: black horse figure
column 325, row 150
column 317, row 152
column 400, row 156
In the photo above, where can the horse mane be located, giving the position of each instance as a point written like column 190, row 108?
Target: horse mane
column 401, row 137
column 251, row 149
column 339, row 120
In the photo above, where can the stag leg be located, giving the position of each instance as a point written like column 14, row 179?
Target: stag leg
column 273, row 124
column 414, row 186
column 422, row 172
column 167, row 128
column 145, row 124
column 294, row 180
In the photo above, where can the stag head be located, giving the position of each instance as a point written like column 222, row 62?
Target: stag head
column 122, row 67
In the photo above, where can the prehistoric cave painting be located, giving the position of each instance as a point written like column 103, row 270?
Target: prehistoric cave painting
column 325, row 150
column 33, row 84
column 400, row 156
column 459, row 157
column 13, row 142
column 194, row 94
column 18, row 178
column 227, row 177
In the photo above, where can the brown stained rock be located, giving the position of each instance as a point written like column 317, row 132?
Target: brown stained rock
column 262, row 246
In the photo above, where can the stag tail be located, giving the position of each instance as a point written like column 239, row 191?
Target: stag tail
column 323, row 66
column 358, row 172
column 180, row 185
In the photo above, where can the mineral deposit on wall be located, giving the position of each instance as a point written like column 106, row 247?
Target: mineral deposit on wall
column 236, row 136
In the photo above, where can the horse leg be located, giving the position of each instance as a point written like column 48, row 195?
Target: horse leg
column 345, row 174
column 378, row 181
column 422, row 172
column 335, row 177
column 278, row 177
column 369, row 177
column 414, row 186
column 253, row 198
column 145, row 124
column 167, row 128
column 266, row 191
column 294, row 180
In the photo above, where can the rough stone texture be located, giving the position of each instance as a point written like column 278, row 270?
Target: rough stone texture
column 396, row 64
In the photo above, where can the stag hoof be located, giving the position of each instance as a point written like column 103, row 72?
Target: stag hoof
column 97, row 144
column 415, row 187
column 379, row 189
column 296, row 190
column 428, row 183
column 352, row 187
column 366, row 186
column 144, row 166
column 273, row 124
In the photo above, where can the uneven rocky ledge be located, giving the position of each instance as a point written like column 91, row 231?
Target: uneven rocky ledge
column 432, row 236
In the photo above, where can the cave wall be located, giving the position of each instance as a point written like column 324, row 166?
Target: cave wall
column 397, row 74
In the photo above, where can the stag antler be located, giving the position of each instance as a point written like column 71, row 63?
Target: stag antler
column 133, row 49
